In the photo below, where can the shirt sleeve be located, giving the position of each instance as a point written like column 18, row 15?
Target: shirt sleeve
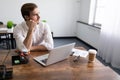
column 48, row 39
column 19, row 38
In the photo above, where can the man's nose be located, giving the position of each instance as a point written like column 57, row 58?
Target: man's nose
column 38, row 16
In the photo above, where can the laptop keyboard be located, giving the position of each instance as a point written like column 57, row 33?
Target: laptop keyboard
column 44, row 60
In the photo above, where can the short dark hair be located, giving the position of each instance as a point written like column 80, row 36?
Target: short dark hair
column 27, row 8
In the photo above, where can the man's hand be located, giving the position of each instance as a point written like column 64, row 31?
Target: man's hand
column 28, row 40
column 31, row 24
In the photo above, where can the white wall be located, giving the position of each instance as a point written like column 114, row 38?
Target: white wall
column 84, row 10
column 87, row 11
column 61, row 15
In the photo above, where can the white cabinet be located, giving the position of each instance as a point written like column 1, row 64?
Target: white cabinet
column 88, row 34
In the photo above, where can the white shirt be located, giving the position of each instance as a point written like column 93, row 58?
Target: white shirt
column 41, row 36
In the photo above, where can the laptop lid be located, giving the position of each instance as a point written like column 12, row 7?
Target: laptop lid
column 57, row 54
column 60, row 53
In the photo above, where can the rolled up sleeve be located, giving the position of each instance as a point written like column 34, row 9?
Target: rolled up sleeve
column 19, row 40
column 48, row 39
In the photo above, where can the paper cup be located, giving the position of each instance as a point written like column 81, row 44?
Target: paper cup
column 92, row 55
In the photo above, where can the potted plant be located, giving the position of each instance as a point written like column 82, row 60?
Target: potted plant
column 44, row 21
column 10, row 26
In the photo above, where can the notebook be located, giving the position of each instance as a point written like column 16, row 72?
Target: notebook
column 55, row 55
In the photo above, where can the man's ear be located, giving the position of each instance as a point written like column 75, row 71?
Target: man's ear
column 27, row 18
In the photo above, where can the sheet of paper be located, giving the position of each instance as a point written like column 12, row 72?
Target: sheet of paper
column 78, row 52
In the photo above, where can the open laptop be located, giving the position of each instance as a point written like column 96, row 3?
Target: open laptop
column 55, row 55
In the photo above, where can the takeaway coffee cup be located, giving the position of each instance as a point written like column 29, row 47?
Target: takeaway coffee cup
column 92, row 55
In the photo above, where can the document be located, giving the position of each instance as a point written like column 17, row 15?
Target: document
column 78, row 52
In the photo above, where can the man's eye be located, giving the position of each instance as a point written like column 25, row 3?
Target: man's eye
column 35, row 14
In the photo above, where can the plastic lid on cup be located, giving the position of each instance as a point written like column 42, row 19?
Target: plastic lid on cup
column 93, row 51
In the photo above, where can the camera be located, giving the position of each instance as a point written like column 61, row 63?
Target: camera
column 21, row 58
column 5, row 73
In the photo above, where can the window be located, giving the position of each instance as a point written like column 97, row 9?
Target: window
column 99, row 12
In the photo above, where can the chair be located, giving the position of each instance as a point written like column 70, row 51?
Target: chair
column 4, row 43
column 52, row 34
column 1, row 23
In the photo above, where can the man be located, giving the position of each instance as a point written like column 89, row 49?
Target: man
column 32, row 35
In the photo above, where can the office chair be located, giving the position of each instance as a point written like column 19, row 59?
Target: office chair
column 4, row 43
column 52, row 34
column 1, row 23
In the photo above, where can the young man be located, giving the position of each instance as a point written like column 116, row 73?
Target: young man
column 32, row 35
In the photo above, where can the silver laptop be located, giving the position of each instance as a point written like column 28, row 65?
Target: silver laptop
column 55, row 55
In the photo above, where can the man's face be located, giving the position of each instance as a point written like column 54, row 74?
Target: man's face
column 34, row 15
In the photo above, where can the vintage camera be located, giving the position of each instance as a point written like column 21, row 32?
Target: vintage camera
column 21, row 58
column 5, row 73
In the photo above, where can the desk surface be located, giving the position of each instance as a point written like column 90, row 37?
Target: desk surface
column 4, row 29
column 64, row 70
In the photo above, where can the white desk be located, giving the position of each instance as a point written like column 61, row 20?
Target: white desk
column 4, row 29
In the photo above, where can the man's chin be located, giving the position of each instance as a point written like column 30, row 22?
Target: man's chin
column 37, row 22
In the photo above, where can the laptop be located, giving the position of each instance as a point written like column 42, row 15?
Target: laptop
column 55, row 55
